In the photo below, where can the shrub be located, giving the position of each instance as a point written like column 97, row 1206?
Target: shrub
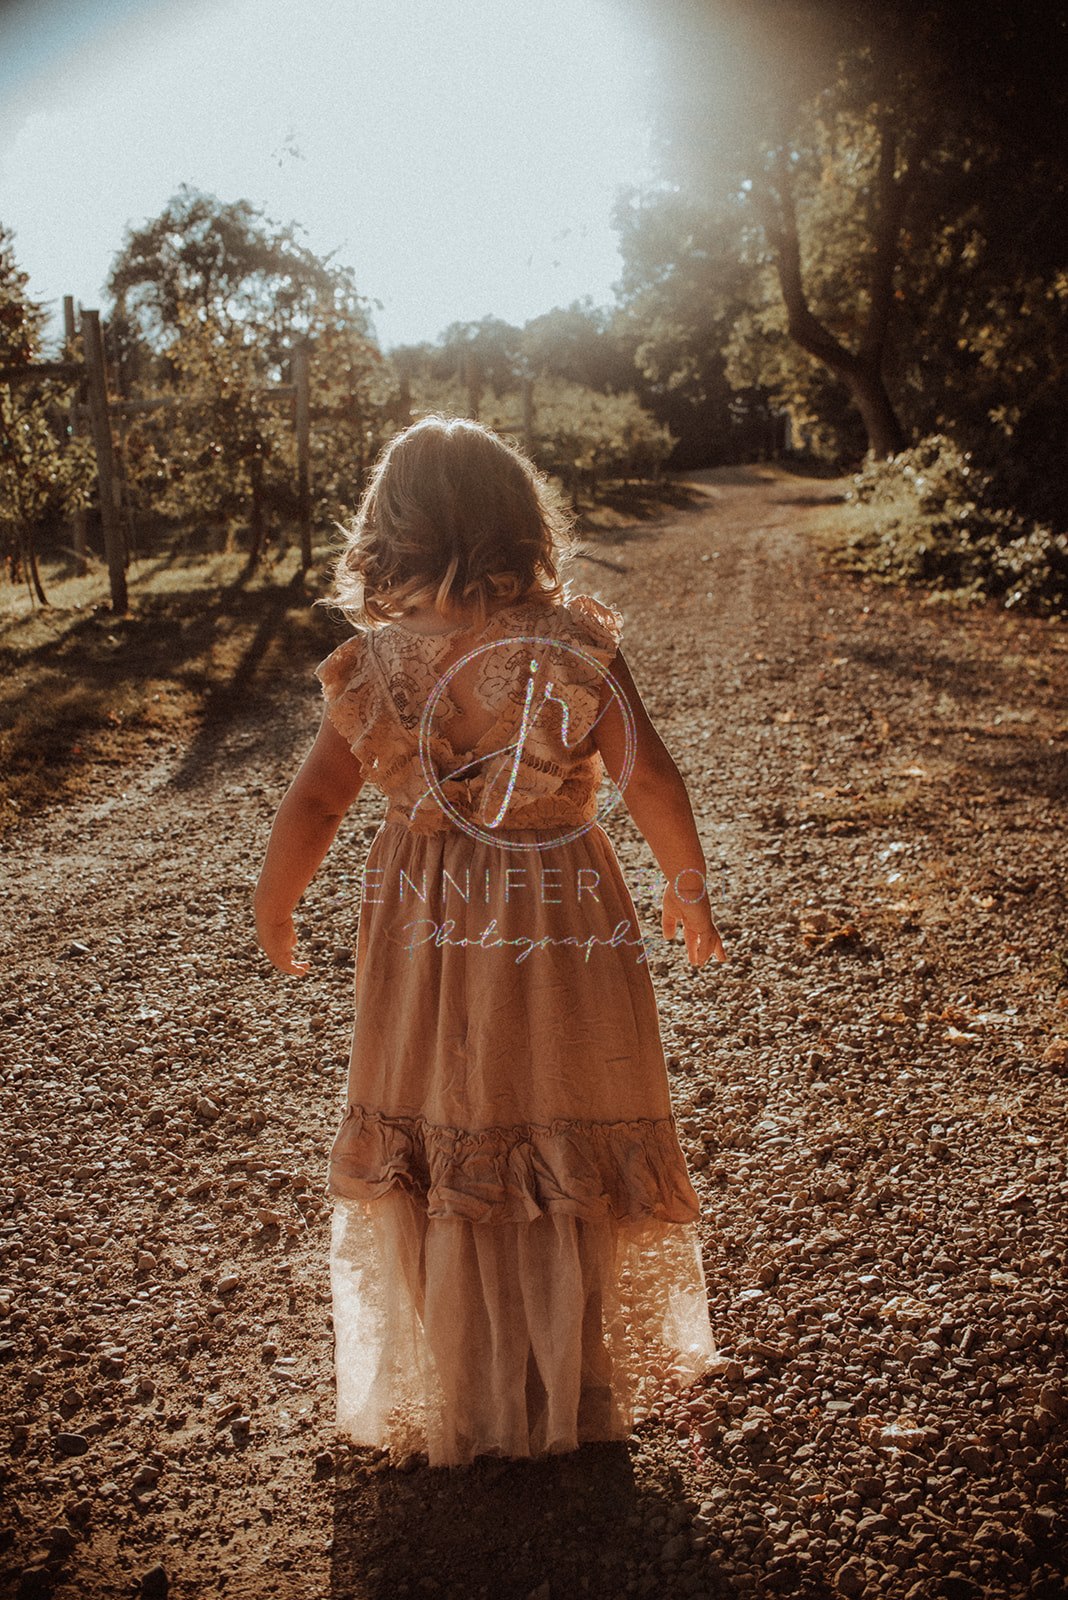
column 934, row 519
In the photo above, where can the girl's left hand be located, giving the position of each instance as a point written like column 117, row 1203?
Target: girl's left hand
column 278, row 941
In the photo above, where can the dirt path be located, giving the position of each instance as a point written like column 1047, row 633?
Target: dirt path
column 872, row 1095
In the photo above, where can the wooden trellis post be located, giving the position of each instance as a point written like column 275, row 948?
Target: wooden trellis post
column 97, row 388
column 77, row 428
column 302, row 391
column 528, row 415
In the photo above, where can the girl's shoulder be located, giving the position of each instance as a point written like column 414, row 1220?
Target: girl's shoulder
column 351, row 696
column 598, row 620
column 345, row 666
column 581, row 619
column 590, row 625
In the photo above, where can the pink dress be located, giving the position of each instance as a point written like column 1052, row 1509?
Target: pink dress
column 515, row 1263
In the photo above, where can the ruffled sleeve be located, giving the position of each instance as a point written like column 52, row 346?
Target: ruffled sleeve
column 350, row 692
column 601, row 623
column 594, row 635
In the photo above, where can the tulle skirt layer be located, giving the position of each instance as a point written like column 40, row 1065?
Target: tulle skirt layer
column 456, row 1338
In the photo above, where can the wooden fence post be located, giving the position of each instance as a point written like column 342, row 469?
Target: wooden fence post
column 302, row 391
column 96, row 382
column 471, row 373
column 77, row 428
column 528, row 416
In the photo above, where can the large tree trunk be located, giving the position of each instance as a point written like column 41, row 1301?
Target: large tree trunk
column 886, row 437
column 861, row 370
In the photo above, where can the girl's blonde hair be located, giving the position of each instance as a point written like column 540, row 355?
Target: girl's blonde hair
column 454, row 516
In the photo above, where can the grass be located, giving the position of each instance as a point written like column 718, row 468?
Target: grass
column 848, row 536
column 847, row 532
column 961, row 560
column 82, row 688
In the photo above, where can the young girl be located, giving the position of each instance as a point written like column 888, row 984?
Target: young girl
column 515, row 1265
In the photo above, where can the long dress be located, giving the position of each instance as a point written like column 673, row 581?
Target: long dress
column 515, row 1264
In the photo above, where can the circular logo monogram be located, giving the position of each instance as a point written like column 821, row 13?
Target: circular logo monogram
column 532, row 706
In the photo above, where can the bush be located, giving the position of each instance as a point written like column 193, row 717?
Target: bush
column 935, row 519
column 581, row 436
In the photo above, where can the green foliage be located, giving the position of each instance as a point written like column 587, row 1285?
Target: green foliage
column 212, row 299
column 772, row 122
column 934, row 519
column 986, row 362
column 45, row 474
column 479, row 355
column 581, row 343
column 234, row 267
column 833, row 181
column 578, row 434
column 684, row 285
column 355, row 397
column 21, row 319
column 227, row 440
column 582, row 436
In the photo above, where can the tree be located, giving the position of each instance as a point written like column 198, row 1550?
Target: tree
column 580, row 343
column 479, row 355
column 212, row 293
column 226, row 436
column 766, row 121
column 684, row 287
column 583, row 436
column 534, row 383
column 44, row 473
column 357, row 404
column 845, row 137
column 234, row 267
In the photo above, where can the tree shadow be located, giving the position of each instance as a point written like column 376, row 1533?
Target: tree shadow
column 804, row 466
column 646, row 502
column 504, row 1530
column 190, row 661
column 814, row 499
column 727, row 477
column 1038, row 770
column 911, row 662
column 1007, row 756
column 227, row 700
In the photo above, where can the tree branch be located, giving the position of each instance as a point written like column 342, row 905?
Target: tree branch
column 780, row 224
column 889, row 207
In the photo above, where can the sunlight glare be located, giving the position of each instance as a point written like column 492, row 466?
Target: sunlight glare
column 462, row 156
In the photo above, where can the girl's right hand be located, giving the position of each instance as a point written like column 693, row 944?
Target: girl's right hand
column 695, row 917
column 278, row 941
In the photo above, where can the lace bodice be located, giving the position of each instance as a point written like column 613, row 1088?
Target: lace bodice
column 536, row 667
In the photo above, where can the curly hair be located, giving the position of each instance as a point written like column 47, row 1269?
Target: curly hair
column 455, row 517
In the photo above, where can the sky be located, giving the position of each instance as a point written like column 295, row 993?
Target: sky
column 462, row 156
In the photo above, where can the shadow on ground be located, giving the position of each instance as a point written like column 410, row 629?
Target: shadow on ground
column 912, row 662
column 509, row 1530
column 183, row 665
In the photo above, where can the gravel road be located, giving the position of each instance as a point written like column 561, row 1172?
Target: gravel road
column 871, row 1093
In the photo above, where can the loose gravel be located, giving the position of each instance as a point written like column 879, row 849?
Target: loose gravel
column 871, row 1094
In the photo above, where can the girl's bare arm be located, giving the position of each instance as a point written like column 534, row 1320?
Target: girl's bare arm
column 656, row 797
column 307, row 819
